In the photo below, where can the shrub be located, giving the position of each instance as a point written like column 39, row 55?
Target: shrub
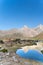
column 34, row 43
column 42, row 51
column 4, row 50
column 1, row 41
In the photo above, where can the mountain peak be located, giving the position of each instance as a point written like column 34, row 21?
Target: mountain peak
column 25, row 26
column 40, row 26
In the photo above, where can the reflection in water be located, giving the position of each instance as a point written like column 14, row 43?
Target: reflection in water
column 31, row 54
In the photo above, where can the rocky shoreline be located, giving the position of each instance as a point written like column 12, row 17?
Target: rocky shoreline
column 13, row 59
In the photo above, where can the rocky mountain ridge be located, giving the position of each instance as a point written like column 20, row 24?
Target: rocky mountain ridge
column 22, row 32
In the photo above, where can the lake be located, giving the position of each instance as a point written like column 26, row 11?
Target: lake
column 31, row 54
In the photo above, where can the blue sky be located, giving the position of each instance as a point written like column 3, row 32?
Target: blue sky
column 17, row 13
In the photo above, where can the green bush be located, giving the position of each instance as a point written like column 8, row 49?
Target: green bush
column 1, row 41
column 4, row 50
column 42, row 51
column 34, row 43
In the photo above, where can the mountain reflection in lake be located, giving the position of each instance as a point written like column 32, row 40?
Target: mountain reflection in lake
column 31, row 54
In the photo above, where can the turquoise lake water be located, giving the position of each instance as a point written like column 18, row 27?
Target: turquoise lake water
column 31, row 54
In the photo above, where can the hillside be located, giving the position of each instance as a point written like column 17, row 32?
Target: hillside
column 24, row 32
column 39, row 37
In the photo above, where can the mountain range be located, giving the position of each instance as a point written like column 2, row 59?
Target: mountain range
column 24, row 32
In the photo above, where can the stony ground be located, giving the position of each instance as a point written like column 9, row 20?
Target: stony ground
column 12, row 59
